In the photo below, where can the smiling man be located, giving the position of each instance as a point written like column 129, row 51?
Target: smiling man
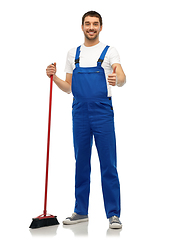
column 92, row 28
column 91, row 70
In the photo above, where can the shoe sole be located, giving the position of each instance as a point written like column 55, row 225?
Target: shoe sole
column 115, row 226
column 68, row 222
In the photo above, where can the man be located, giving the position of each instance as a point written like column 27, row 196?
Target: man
column 91, row 70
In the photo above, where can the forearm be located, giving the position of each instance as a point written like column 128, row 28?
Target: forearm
column 121, row 79
column 63, row 85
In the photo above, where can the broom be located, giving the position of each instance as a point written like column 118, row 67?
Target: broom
column 45, row 219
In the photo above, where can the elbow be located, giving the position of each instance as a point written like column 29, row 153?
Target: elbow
column 69, row 90
column 68, row 87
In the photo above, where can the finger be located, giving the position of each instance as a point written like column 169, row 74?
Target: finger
column 53, row 64
column 51, row 69
column 114, row 69
column 112, row 83
column 112, row 80
column 112, row 77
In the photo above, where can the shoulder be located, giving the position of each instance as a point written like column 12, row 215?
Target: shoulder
column 112, row 51
column 72, row 52
column 113, row 55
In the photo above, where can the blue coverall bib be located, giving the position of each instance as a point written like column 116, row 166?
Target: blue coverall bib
column 93, row 116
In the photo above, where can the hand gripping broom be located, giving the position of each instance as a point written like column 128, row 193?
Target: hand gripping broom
column 45, row 219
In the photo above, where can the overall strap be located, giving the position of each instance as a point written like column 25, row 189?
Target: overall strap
column 77, row 58
column 102, row 56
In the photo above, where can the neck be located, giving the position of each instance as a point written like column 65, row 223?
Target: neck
column 91, row 43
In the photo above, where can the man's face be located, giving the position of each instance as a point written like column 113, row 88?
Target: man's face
column 91, row 27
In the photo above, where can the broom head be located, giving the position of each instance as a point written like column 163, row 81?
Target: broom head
column 44, row 221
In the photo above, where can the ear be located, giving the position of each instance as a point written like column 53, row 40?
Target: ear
column 101, row 27
column 82, row 27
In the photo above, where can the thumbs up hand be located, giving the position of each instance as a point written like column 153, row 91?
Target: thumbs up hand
column 112, row 77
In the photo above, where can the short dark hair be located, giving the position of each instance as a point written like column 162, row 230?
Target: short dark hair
column 92, row 14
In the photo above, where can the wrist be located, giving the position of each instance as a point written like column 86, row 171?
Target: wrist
column 55, row 78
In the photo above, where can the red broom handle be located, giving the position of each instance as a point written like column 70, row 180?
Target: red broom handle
column 48, row 144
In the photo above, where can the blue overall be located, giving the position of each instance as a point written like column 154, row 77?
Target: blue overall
column 93, row 116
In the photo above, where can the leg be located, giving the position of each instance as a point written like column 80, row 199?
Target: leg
column 106, row 146
column 82, row 146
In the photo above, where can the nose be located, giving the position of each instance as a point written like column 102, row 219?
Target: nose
column 91, row 26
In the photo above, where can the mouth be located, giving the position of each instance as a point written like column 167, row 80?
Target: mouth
column 91, row 33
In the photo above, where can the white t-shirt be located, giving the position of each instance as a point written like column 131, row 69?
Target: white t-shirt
column 89, row 57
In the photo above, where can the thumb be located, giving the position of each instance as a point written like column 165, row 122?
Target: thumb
column 114, row 70
column 54, row 64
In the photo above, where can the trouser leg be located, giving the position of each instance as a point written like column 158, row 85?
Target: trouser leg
column 105, row 141
column 82, row 147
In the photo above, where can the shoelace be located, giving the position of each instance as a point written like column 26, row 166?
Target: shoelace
column 73, row 215
column 115, row 219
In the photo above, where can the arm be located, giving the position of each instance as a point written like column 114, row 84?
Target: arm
column 65, row 86
column 118, row 76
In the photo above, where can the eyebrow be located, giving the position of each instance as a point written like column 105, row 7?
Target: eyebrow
column 93, row 22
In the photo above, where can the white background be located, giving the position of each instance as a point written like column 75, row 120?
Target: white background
column 36, row 33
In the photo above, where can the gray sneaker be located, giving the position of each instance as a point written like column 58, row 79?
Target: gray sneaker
column 75, row 218
column 115, row 223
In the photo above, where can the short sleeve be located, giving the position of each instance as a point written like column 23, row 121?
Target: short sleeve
column 69, row 66
column 113, row 56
